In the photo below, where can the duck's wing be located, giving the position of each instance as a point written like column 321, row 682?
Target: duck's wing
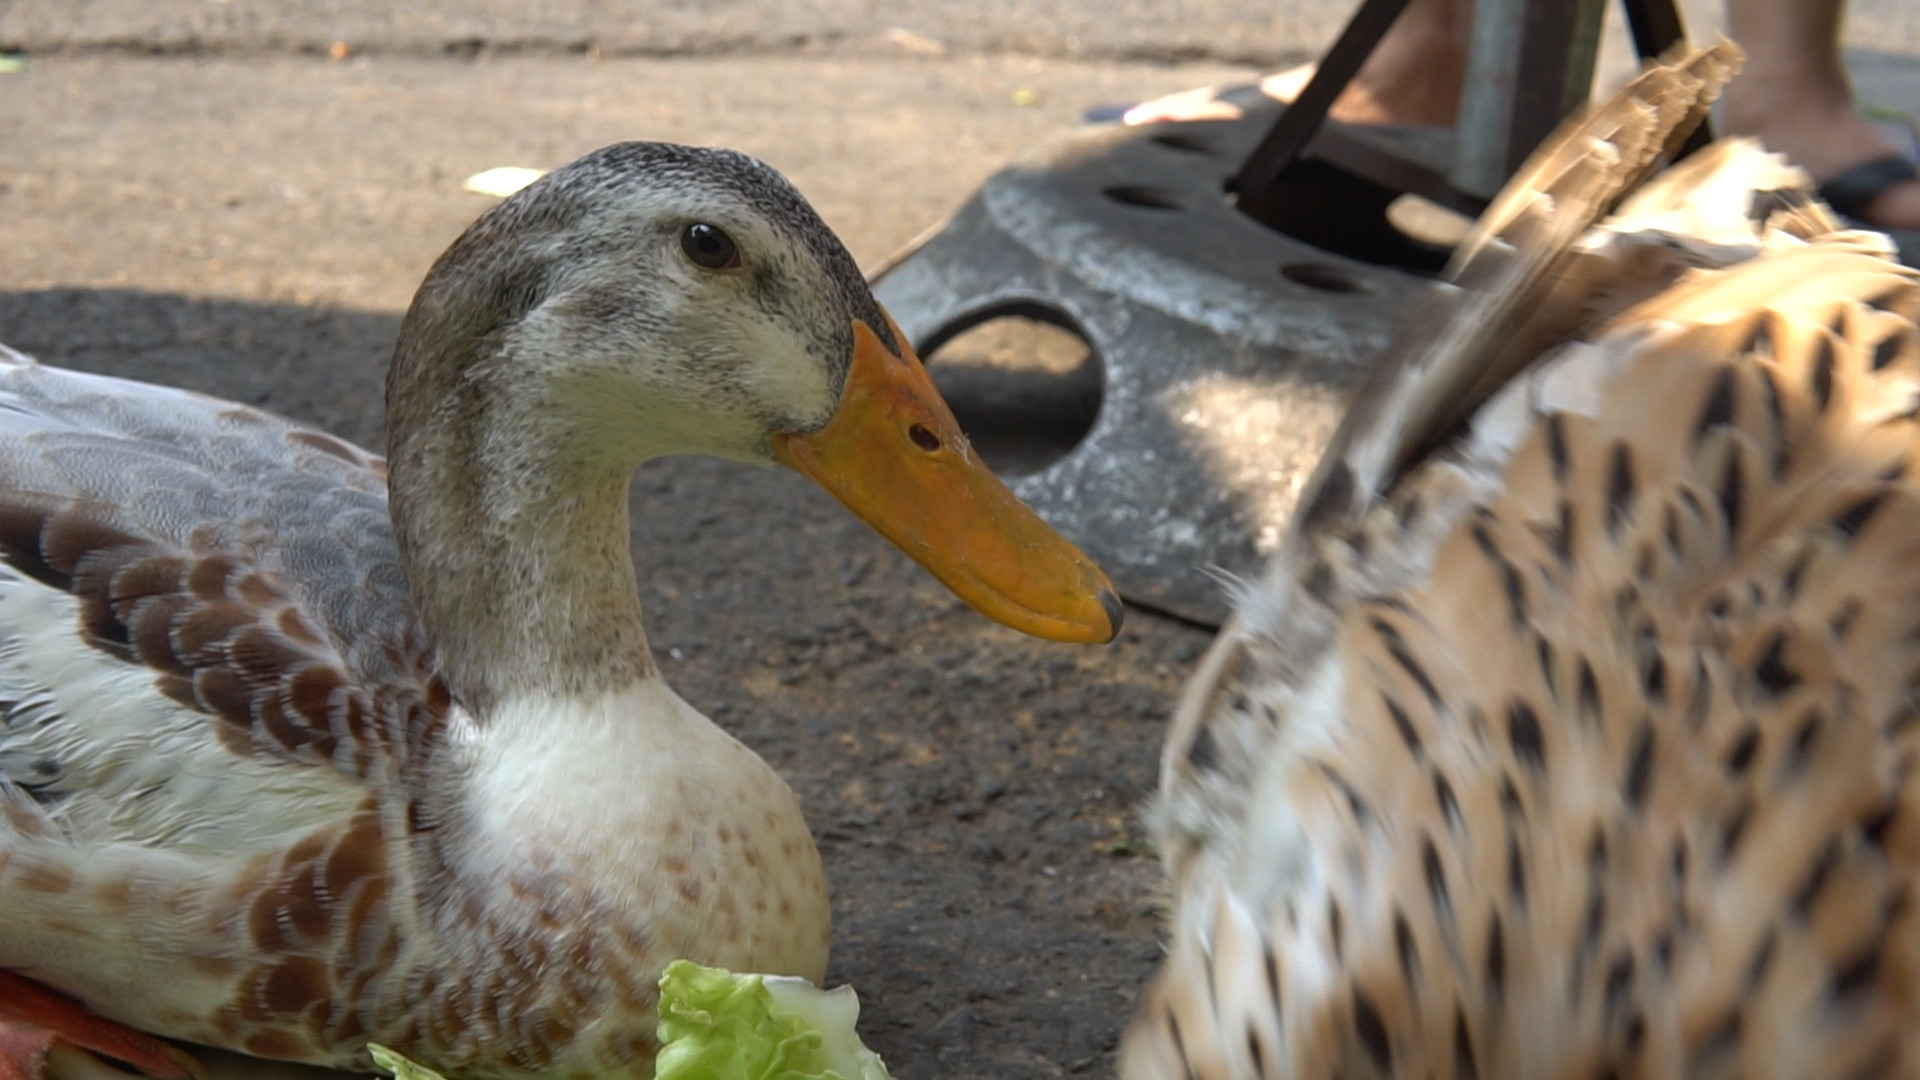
column 1513, row 285
column 243, row 564
column 1522, row 280
column 211, row 687
column 1546, row 746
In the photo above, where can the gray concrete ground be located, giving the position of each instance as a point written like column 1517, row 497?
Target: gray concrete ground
column 192, row 191
column 1174, row 31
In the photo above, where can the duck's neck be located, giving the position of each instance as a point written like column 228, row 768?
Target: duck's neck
column 511, row 513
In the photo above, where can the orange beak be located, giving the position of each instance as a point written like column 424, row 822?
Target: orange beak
column 894, row 455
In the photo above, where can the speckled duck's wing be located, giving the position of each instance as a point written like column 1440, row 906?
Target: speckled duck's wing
column 210, row 682
column 1578, row 740
column 1512, row 284
column 1530, row 273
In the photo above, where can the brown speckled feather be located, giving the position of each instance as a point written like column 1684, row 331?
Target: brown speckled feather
column 1491, row 316
column 1586, row 746
column 269, row 615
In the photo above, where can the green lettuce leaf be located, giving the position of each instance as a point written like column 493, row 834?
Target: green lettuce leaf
column 715, row 1025
column 400, row 1067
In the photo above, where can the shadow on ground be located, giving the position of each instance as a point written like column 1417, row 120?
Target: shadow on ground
column 973, row 792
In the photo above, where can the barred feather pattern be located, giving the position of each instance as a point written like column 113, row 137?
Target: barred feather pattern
column 1573, row 733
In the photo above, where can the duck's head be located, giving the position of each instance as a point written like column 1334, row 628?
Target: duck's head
column 653, row 299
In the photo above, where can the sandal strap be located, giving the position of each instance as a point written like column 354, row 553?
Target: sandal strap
column 1854, row 190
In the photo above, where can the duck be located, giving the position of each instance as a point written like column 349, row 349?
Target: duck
column 1571, row 732
column 302, row 748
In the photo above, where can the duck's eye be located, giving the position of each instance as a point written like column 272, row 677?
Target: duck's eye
column 707, row 246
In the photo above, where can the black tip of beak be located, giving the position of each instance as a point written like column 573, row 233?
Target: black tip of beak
column 1116, row 614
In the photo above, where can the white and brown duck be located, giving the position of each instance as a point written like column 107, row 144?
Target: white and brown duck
column 302, row 749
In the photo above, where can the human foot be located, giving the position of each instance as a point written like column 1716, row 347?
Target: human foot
column 1386, row 94
column 1413, row 77
column 1824, row 133
column 1427, row 96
